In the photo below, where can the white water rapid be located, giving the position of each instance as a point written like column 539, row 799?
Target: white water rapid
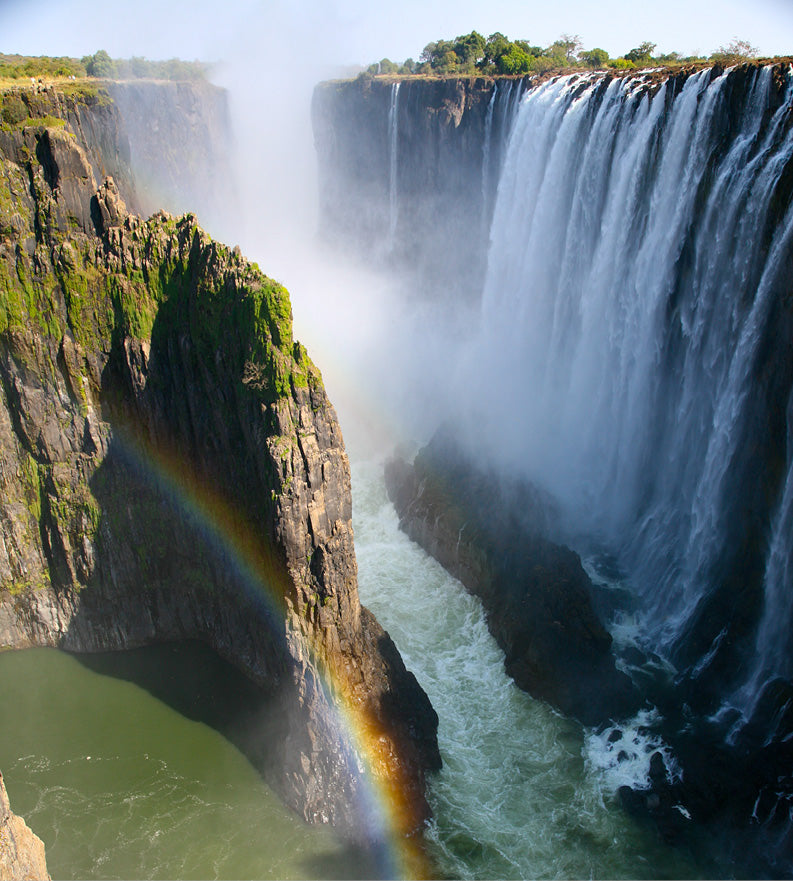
column 524, row 792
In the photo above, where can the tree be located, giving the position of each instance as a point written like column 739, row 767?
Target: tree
column 642, row 54
column 497, row 44
column 100, row 64
column 449, row 62
column 534, row 51
column 571, row 45
column 386, row 65
column 595, row 58
column 470, row 49
column 737, row 51
column 514, row 61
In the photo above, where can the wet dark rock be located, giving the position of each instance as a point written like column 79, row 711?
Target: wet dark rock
column 441, row 127
column 537, row 597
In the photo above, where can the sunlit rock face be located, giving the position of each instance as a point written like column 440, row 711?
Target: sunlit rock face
column 172, row 467
column 22, row 856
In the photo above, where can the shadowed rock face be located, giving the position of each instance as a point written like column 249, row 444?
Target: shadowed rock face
column 180, row 145
column 537, row 597
column 443, row 182
column 21, row 851
column 172, row 468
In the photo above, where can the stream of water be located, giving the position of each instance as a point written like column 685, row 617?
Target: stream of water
column 524, row 792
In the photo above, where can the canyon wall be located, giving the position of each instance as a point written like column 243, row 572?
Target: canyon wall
column 172, row 468
column 631, row 358
column 408, row 171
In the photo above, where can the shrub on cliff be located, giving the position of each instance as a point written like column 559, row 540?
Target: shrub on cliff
column 736, row 52
column 100, row 64
column 642, row 54
column 23, row 67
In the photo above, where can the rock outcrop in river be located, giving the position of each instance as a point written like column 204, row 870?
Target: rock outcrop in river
column 171, row 466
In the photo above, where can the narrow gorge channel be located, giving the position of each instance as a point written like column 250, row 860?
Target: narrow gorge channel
column 524, row 792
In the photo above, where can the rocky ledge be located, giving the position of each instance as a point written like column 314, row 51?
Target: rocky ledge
column 21, row 851
column 536, row 595
column 171, row 468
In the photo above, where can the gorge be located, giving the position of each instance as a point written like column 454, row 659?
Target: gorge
column 173, row 470
column 620, row 338
column 586, row 313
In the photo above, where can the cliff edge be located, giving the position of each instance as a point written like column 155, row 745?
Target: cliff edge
column 21, row 851
column 172, row 468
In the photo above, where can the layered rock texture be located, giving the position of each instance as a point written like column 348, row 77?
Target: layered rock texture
column 171, row 466
column 22, row 855
column 537, row 597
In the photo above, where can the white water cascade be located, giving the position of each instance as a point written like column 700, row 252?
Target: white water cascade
column 630, row 358
column 393, row 141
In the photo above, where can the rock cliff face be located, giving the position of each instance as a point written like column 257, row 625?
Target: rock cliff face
column 408, row 175
column 21, row 851
column 537, row 597
column 171, row 467
column 180, row 140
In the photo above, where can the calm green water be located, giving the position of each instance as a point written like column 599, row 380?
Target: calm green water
column 117, row 763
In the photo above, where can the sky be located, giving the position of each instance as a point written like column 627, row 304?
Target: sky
column 349, row 32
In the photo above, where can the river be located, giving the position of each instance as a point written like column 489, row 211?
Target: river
column 124, row 766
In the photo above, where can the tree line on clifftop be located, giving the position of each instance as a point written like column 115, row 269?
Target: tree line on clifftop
column 100, row 65
column 473, row 54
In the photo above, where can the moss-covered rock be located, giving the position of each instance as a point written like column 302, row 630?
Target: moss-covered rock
column 172, row 467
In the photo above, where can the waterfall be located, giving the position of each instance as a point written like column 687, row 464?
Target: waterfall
column 499, row 116
column 632, row 355
column 393, row 196
column 486, row 161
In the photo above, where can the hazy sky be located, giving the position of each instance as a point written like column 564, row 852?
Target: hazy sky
column 362, row 31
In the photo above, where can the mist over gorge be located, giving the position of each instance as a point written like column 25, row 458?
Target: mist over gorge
column 573, row 293
column 607, row 261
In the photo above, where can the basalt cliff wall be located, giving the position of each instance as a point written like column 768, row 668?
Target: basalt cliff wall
column 180, row 142
column 408, row 170
column 171, row 466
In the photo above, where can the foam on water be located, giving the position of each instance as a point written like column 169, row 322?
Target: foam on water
column 524, row 792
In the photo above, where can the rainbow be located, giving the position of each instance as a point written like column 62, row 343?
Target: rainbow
column 390, row 816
